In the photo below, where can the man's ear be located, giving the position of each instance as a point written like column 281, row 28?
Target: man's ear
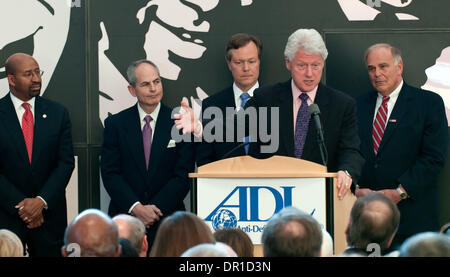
column 144, row 246
column 131, row 90
column 11, row 80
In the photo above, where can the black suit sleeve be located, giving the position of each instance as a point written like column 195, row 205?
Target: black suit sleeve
column 349, row 156
column 56, row 183
column 110, row 165
column 433, row 150
column 173, row 193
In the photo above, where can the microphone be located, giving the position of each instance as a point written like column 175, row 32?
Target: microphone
column 314, row 111
column 243, row 144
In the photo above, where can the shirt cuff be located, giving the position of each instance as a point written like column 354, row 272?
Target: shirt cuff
column 132, row 207
column 45, row 202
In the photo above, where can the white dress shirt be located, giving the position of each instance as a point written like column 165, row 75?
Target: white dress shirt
column 390, row 104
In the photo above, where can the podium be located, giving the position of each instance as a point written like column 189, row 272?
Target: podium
column 245, row 192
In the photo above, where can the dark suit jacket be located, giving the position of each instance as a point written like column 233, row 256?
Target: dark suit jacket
column 338, row 119
column 207, row 152
column 165, row 184
column 47, row 176
column 412, row 153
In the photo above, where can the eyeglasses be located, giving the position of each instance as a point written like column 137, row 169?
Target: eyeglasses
column 29, row 74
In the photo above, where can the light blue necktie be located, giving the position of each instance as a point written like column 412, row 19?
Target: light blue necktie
column 244, row 97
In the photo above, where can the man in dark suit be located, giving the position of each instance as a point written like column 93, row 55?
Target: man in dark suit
column 144, row 171
column 36, row 160
column 305, row 56
column 243, row 56
column 404, row 139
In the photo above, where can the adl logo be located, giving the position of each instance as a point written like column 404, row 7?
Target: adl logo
column 225, row 218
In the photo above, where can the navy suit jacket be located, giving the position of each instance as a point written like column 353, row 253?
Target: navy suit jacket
column 338, row 120
column 412, row 153
column 165, row 184
column 207, row 152
column 47, row 176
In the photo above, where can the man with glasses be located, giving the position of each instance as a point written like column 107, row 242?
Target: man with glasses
column 36, row 160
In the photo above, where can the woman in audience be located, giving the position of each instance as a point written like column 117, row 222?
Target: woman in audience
column 237, row 239
column 179, row 232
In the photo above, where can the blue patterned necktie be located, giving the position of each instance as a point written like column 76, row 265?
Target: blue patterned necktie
column 301, row 126
column 244, row 97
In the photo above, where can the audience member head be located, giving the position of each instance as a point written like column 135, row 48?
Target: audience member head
column 427, row 244
column 205, row 250
column 179, row 232
column 132, row 229
column 292, row 233
column 226, row 248
column 373, row 219
column 327, row 248
column 243, row 57
column 446, row 229
column 94, row 234
column 127, row 248
column 10, row 244
column 237, row 239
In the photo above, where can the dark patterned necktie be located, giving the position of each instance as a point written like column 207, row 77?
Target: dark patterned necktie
column 28, row 129
column 147, row 138
column 244, row 97
column 301, row 126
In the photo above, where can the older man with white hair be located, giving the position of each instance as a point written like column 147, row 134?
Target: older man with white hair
column 305, row 56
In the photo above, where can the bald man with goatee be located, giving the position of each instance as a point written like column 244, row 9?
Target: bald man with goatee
column 36, row 160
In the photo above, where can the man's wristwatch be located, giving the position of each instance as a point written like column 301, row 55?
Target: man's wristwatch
column 403, row 195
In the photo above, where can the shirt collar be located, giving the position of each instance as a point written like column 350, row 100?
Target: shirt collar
column 394, row 95
column 296, row 92
column 154, row 114
column 237, row 91
column 18, row 103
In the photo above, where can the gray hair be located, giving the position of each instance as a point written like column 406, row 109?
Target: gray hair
column 135, row 227
column 131, row 71
column 428, row 244
column 396, row 53
column 308, row 40
column 292, row 233
column 204, row 250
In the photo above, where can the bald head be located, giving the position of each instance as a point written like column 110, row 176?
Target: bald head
column 95, row 233
column 24, row 76
column 373, row 219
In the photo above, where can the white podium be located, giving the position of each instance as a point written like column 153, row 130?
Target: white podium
column 244, row 192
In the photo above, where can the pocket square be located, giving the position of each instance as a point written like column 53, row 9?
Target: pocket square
column 171, row 144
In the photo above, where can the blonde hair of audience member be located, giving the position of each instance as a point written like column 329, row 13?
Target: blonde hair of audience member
column 10, row 244
column 205, row 250
column 327, row 245
column 179, row 232
column 237, row 239
column 132, row 229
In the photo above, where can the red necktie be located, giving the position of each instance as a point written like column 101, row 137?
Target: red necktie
column 379, row 124
column 28, row 128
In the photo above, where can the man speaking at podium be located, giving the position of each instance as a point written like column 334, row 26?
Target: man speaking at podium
column 305, row 55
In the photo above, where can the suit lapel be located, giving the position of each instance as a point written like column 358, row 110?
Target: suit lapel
column 134, row 137
column 286, row 115
column 160, row 140
column 9, row 117
column 401, row 106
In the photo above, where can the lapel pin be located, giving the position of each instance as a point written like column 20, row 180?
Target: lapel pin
column 44, row 116
column 393, row 120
